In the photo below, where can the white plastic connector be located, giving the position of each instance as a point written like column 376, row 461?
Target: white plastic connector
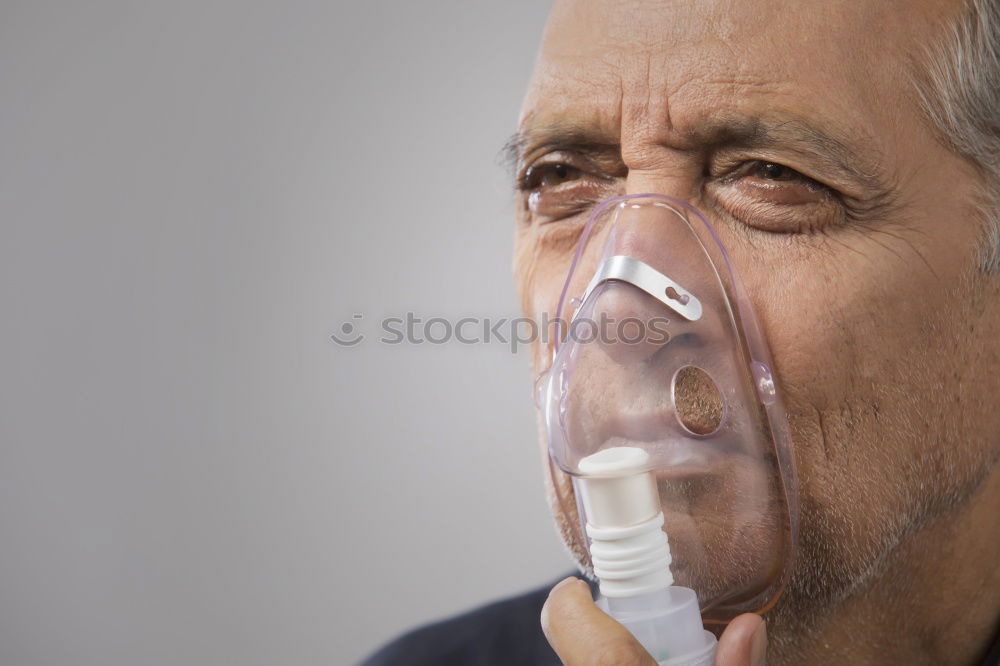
column 616, row 492
column 629, row 549
column 631, row 557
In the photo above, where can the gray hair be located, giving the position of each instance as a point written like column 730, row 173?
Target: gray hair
column 959, row 88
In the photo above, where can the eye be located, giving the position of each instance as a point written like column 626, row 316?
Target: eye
column 549, row 175
column 773, row 197
column 558, row 189
column 775, row 171
column 761, row 172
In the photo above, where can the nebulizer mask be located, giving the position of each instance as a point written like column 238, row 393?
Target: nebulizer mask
column 661, row 404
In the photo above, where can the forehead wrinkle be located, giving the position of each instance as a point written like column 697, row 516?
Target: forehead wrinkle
column 631, row 116
column 701, row 126
column 730, row 130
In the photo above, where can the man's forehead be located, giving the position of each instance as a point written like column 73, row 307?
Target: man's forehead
column 733, row 31
column 659, row 67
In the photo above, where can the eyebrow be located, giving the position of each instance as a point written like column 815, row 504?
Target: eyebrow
column 865, row 167
column 824, row 148
column 558, row 136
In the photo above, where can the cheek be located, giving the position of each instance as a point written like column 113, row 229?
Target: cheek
column 858, row 330
column 539, row 273
column 562, row 503
column 826, row 326
column 843, row 325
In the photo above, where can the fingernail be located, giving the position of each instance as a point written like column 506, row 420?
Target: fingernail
column 758, row 649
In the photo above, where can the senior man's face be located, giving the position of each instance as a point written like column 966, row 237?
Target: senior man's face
column 798, row 133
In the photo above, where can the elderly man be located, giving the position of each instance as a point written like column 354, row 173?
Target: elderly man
column 848, row 154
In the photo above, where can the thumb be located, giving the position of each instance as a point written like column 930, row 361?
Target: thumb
column 582, row 634
column 743, row 643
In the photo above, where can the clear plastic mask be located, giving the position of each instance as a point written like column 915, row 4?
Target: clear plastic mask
column 662, row 351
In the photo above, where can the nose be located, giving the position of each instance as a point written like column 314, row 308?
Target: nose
column 671, row 174
column 633, row 325
column 634, row 320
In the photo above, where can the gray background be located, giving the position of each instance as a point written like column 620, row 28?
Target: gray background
column 193, row 197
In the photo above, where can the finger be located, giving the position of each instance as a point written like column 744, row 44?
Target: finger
column 582, row 634
column 743, row 643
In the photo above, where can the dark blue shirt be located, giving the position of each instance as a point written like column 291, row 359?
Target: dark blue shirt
column 505, row 633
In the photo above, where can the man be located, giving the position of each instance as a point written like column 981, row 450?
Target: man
column 848, row 154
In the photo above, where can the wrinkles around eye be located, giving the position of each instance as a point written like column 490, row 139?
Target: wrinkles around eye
column 778, row 208
column 568, row 199
column 553, row 202
column 555, row 194
column 761, row 195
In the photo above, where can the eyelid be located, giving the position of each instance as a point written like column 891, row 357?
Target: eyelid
column 798, row 205
column 553, row 158
column 725, row 161
column 603, row 159
column 803, row 178
column 737, row 166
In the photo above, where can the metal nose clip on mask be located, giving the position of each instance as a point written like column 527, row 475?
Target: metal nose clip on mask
column 660, row 351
